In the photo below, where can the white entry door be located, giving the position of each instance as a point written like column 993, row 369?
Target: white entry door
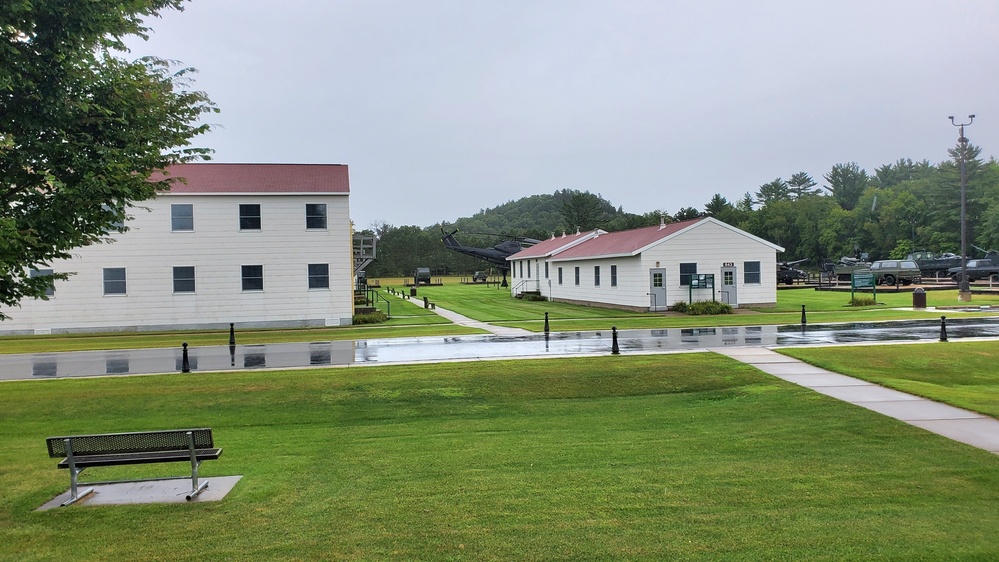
column 657, row 290
column 728, row 292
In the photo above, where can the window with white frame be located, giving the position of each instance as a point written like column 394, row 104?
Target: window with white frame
column 560, row 276
column 181, row 217
column 183, row 279
column 315, row 216
column 319, row 276
column 546, row 270
column 577, row 276
column 249, row 217
column 613, row 276
column 596, row 276
column 751, row 273
column 114, row 281
column 253, row 277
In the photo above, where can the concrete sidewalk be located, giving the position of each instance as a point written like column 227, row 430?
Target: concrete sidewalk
column 960, row 425
column 468, row 322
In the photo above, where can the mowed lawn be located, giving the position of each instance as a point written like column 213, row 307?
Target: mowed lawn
column 962, row 374
column 676, row 457
column 490, row 304
column 495, row 305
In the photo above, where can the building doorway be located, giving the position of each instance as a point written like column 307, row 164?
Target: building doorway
column 729, row 291
column 657, row 290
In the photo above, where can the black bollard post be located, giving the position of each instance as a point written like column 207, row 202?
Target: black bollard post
column 615, row 350
column 547, row 329
column 803, row 320
column 232, row 355
column 426, row 302
column 232, row 334
column 185, row 362
column 943, row 328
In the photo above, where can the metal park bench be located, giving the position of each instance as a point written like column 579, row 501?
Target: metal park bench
column 110, row 449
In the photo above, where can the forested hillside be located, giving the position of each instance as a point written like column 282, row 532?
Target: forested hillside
column 900, row 206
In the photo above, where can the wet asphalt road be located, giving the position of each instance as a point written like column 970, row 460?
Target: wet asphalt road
column 436, row 349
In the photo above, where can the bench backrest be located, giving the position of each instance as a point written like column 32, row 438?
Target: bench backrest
column 135, row 442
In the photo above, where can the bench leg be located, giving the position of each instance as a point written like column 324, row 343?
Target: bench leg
column 73, row 476
column 196, row 488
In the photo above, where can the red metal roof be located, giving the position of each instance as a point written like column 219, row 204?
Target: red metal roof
column 212, row 177
column 547, row 247
column 625, row 242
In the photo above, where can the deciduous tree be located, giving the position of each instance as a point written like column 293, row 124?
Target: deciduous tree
column 81, row 129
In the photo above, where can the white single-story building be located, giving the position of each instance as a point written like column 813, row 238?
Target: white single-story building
column 257, row 245
column 651, row 268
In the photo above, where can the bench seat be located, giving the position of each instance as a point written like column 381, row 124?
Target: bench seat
column 142, row 458
column 140, row 447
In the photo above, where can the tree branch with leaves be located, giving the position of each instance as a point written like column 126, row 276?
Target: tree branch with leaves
column 82, row 129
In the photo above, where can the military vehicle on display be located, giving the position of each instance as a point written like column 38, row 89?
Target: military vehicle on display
column 479, row 277
column 496, row 255
column 895, row 272
column 844, row 268
column 934, row 265
column 788, row 275
column 978, row 269
column 422, row 276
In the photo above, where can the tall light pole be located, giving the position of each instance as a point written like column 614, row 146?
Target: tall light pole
column 964, row 289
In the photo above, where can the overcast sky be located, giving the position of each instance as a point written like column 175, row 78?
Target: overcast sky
column 444, row 108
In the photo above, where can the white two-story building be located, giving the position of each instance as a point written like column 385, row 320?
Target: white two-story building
column 651, row 268
column 258, row 245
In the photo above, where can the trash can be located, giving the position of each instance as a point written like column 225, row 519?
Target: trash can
column 919, row 298
column 412, row 291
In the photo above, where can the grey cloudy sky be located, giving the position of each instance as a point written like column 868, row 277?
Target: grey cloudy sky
column 444, row 108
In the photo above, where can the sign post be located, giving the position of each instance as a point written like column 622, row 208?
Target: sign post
column 701, row 281
column 862, row 279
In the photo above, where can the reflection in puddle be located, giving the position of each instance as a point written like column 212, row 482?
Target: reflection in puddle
column 385, row 351
column 320, row 354
column 254, row 356
column 192, row 360
column 116, row 365
column 44, row 369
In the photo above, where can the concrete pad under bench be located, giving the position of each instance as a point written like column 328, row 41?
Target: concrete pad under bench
column 173, row 490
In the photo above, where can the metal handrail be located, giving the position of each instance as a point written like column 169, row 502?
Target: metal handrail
column 373, row 296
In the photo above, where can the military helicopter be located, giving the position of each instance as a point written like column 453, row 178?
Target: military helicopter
column 496, row 255
column 787, row 274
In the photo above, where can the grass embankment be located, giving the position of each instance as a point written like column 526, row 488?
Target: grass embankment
column 962, row 374
column 639, row 458
column 409, row 319
column 495, row 305
column 491, row 305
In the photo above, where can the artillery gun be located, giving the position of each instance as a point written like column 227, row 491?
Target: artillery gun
column 844, row 268
column 787, row 274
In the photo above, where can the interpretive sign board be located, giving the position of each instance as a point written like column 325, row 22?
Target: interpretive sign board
column 863, row 279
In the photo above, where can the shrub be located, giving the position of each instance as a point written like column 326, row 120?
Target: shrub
column 708, row 307
column 863, row 301
column 533, row 297
column 680, row 306
column 375, row 317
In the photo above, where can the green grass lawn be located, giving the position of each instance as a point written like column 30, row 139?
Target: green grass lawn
column 678, row 457
column 409, row 319
column 495, row 305
column 490, row 304
column 790, row 300
column 963, row 374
